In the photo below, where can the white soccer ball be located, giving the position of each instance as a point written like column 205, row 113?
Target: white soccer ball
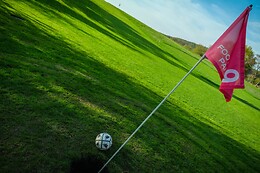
column 103, row 141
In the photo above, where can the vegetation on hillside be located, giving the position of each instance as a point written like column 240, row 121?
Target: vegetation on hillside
column 252, row 66
column 193, row 47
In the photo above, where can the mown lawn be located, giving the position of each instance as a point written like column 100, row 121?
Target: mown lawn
column 72, row 69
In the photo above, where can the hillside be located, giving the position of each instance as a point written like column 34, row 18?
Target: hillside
column 70, row 70
column 187, row 44
column 193, row 47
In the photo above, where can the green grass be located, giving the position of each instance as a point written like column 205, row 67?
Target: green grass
column 71, row 69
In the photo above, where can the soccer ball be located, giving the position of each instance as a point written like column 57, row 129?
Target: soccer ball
column 103, row 141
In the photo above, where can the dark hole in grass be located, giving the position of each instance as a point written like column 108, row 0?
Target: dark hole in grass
column 89, row 164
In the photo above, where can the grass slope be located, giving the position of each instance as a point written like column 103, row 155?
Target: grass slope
column 72, row 69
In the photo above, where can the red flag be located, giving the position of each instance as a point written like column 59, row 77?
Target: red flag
column 227, row 55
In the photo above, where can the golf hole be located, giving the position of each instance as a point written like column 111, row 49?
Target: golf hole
column 87, row 164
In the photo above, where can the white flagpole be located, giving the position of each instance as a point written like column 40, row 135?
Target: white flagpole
column 152, row 113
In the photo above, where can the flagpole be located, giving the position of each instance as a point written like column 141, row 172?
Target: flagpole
column 152, row 113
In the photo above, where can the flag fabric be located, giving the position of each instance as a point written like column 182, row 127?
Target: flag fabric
column 227, row 55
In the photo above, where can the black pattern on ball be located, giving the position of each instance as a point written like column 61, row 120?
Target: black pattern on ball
column 103, row 141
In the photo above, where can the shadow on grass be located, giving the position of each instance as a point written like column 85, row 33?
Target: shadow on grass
column 113, row 27
column 55, row 99
column 247, row 103
column 206, row 80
